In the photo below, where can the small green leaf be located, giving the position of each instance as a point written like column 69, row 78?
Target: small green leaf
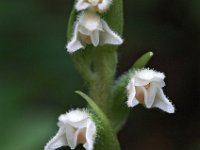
column 106, row 136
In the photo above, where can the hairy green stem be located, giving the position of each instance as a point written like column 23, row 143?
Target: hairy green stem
column 83, row 63
column 104, row 65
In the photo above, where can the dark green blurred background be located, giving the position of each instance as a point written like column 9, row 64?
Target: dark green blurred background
column 37, row 78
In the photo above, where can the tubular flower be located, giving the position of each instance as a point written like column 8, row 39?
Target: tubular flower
column 145, row 87
column 96, row 5
column 75, row 127
column 91, row 29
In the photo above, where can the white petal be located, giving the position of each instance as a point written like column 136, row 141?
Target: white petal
column 144, row 82
column 74, row 44
column 141, row 82
column 90, row 21
column 151, row 91
column 109, row 37
column 159, row 84
column 132, row 101
column 95, row 38
column 100, row 27
column 158, row 76
column 90, row 136
column 84, row 31
column 93, row 2
column 57, row 141
column 74, row 116
column 141, row 88
column 149, row 75
column 78, row 131
column 163, row 103
column 79, row 124
column 104, row 5
column 71, row 137
column 81, row 5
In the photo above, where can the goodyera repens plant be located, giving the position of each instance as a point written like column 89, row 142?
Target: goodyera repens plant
column 94, row 33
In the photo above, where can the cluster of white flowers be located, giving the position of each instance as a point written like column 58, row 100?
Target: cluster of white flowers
column 75, row 127
column 90, row 28
column 145, row 87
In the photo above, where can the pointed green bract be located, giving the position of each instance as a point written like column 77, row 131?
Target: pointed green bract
column 106, row 137
column 143, row 60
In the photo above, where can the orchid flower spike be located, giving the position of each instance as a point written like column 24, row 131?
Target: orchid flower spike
column 145, row 87
column 95, row 5
column 91, row 29
column 75, row 127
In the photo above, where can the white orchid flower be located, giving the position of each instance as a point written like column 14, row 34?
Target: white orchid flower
column 75, row 127
column 145, row 87
column 96, row 5
column 91, row 29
